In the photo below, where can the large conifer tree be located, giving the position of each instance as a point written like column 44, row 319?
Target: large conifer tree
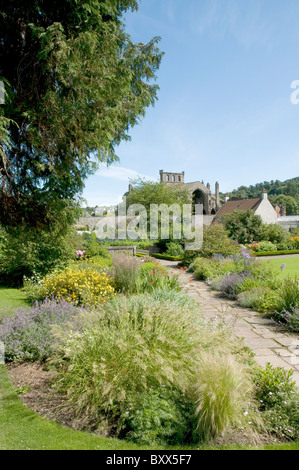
column 75, row 84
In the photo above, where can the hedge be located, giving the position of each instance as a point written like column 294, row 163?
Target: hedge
column 276, row 253
column 162, row 256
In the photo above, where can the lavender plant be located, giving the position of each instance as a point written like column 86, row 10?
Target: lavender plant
column 231, row 284
column 27, row 335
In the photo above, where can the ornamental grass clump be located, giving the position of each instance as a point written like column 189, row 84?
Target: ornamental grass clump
column 224, row 395
column 113, row 358
column 125, row 273
column 289, row 295
column 27, row 335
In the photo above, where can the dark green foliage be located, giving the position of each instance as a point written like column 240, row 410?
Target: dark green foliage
column 274, row 189
column 189, row 257
column 166, row 257
column 160, row 417
column 216, row 242
column 276, row 253
column 290, row 203
column 92, row 247
column 276, row 234
column 27, row 252
column 77, row 84
column 243, row 226
column 170, row 247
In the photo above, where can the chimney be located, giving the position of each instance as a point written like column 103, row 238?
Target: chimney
column 226, row 197
column 281, row 211
column 264, row 194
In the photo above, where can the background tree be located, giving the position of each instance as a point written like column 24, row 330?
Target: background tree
column 151, row 192
column 292, row 206
column 274, row 189
column 77, row 84
column 147, row 193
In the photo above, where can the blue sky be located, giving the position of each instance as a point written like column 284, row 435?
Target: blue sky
column 224, row 111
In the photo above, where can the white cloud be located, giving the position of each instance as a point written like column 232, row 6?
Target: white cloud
column 244, row 21
column 122, row 174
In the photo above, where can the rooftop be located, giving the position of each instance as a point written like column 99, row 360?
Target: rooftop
column 239, row 205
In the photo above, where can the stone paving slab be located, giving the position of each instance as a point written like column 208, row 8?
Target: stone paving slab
column 269, row 342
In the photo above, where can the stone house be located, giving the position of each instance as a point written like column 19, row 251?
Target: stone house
column 259, row 205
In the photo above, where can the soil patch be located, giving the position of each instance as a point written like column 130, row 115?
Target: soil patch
column 32, row 382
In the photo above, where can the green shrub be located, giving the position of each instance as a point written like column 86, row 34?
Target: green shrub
column 277, row 394
column 261, row 299
column 276, row 234
column 287, row 245
column 210, row 269
column 26, row 252
column 244, row 226
column 265, row 246
column 174, row 249
column 160, row 416
column 189, row 257
column 264, row 273
column 166, row 257
column 93, row 248
column 249, row 284
column 216, row 241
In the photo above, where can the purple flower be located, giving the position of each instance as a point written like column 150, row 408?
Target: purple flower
column 283, row 266
column 27, row 335
column 231, row 284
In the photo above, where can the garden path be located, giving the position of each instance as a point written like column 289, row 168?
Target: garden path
column 269, row 342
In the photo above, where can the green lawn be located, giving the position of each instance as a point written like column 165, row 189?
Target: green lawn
column 291, row 268
column 22, row 429
column 10, row 300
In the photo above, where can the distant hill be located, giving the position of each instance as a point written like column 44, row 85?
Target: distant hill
column 274, row 188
